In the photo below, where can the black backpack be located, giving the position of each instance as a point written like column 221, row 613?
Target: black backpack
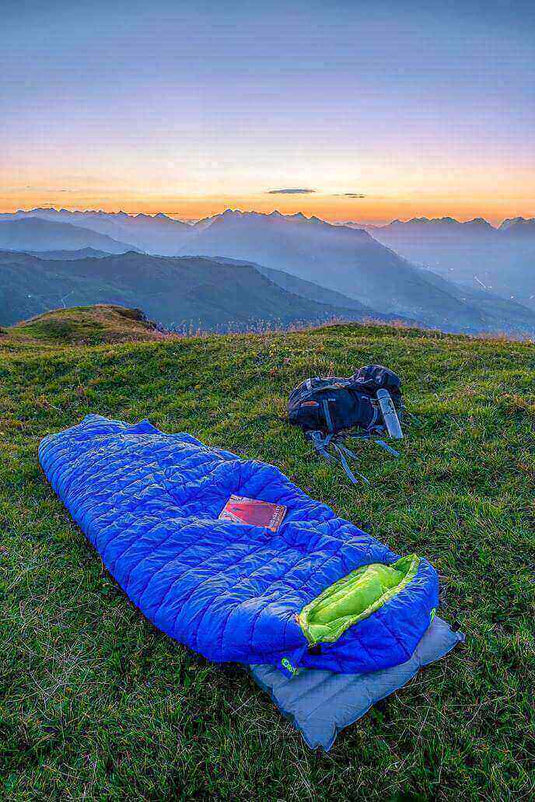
column 368, row 405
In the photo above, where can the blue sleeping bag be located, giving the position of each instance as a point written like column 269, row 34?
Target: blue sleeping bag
column 318, row 593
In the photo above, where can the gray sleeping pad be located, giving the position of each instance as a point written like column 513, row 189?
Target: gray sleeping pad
column 321, row 703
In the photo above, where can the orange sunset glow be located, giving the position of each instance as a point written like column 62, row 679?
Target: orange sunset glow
column 189, row 111
column 338, row 209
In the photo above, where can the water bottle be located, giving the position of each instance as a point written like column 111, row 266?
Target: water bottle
column 390, row 416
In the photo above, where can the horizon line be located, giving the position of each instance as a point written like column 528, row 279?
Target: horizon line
column 182, row 218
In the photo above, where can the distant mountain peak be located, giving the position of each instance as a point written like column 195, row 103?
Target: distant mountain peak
column 253, row 215
column 478, row 221
column 432, row 221
column 441, row 221
column 514, row 221
column 230, row 214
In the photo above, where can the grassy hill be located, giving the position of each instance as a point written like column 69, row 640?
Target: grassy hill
column 98, row 704
column 86, row 325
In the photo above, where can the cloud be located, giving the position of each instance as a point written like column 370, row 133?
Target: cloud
column 31, row 188
column 290, row 191
column 349, row 195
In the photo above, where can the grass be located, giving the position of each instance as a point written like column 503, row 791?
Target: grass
column 85, row 325
column 97, row 704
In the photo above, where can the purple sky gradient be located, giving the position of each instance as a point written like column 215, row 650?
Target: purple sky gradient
column 181, row 106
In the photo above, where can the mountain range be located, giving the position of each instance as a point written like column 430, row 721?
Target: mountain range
column 326, row 270
column 181, row 293
column 158, row 234
column 35, row 234
column 473, row 253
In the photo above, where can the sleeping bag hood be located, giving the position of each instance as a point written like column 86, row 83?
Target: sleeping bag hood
column 318, row 593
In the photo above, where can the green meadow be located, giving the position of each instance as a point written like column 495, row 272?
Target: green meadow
column 95, row 703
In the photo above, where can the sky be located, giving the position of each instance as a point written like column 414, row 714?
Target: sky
column 346, row 109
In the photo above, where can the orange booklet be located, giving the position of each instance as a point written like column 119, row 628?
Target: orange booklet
column 254, row 512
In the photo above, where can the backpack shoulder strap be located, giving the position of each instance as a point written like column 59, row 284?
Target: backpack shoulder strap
column 321, row 443
column 342, row 450
column 387, row 447
column 327, row 413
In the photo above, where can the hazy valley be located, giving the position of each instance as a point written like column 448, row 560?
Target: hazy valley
column 239, row 270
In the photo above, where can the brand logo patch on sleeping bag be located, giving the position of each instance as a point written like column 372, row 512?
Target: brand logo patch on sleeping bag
column 287, row 666
column 433, row 613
